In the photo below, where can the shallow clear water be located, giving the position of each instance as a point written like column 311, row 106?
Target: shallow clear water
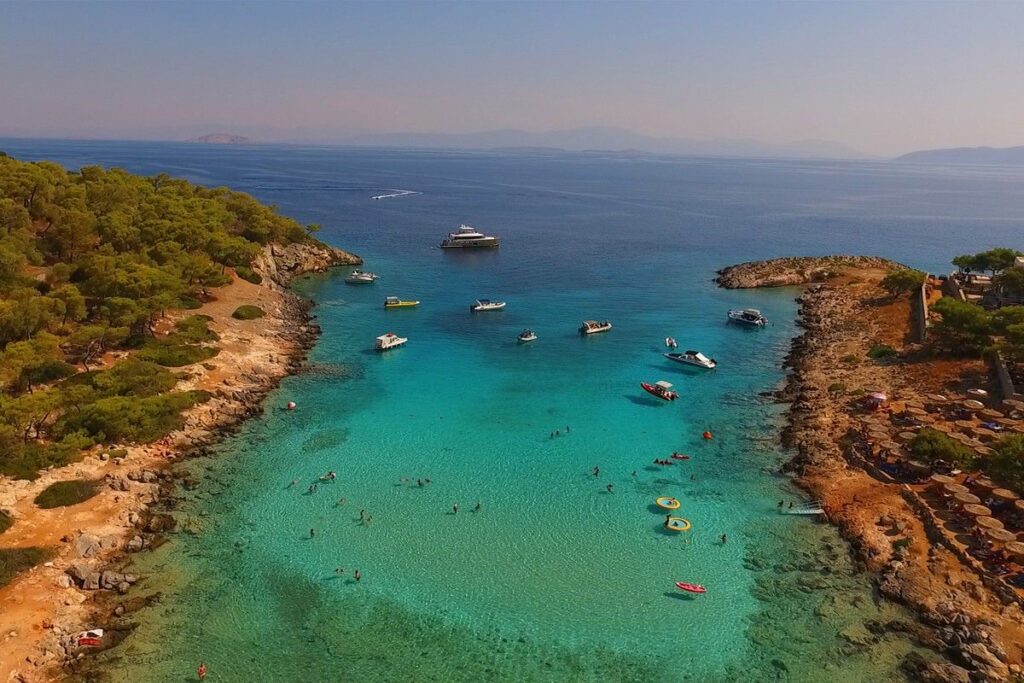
column 555, row 578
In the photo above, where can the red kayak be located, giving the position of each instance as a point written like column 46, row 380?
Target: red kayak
column 662, row 390
column 680, row 456
column 691, row 587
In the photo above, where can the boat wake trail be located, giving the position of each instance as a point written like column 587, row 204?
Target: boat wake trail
column 395, row 193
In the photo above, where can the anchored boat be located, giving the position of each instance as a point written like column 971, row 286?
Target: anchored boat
column 593, row 327
column 694, row 358
column 359, row 277
column 486, row 305
column 395, row 302
column 750, row 317
column 527, row 336
column 389, row 341
column 661, row 389
column 469, row 238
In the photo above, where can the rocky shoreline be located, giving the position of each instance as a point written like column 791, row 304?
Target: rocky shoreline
column 962, row 620
column 90, row 577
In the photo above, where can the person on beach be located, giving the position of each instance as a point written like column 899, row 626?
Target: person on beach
column 202, row 671
column 358, row 576
column 608, row 488
column 455, row 509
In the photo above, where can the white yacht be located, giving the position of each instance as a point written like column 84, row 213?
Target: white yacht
column 527, row 336
column 593, row 327
column 695, row 358
column 389, row 341
column 469, row 238
column 748, row 316
column 359, row 277
column 486, row 305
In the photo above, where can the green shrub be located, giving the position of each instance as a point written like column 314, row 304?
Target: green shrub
column 5, row 521
column 837, row 388
column 901, row 280
column 849, row 359
column 22, row 459
column 130, row 418
column 133, row 377
column 878, row 351
column 248, row 274
column 13, row 561
column 173, row 352
column 930, row 445
column 247, row 313
column 64, row 493
column 195, row 329
column 1006, row 465
column 189, row 302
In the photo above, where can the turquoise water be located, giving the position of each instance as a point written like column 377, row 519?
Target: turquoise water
column 555, row 578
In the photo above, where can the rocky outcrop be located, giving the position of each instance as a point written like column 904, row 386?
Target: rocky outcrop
column 797, row 270
column 279, row 264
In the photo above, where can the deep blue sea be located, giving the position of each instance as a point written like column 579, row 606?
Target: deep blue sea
column 555, row 578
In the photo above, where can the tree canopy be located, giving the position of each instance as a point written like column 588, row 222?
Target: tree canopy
column 993, row 260
column 89, row 261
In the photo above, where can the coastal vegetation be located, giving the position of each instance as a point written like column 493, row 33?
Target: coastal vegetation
column 991, row 261
column 930, row 445
column 902, row 280
column 247, row 313
column 13, row 561
column 90, row 263
column 1006, row 465
column 64, row 493
column 5, row 521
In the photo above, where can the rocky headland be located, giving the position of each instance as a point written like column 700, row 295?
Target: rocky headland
column 87, row 583
column 973, row 622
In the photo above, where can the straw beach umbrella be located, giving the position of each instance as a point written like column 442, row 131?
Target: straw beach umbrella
column 983, row 451
column 963, row 499
column 984, row 484
column 942, row 479
column 936, row 398
column 986, row 434
column 905, row 437
column 964, row 424
column 1004, row 494
column 916, row 412
column 1016, row 549
column 972, row 404
column 976, row 510
column 1007, row 421
column 989, row 412
column 956, row 488
column 1001, row 535
column 1018, row 505
column 988, row 522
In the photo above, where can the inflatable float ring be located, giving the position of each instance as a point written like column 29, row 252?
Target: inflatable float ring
column 678, row 524
column 667, row 503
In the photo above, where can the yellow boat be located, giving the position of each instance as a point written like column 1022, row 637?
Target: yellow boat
column 395, row 302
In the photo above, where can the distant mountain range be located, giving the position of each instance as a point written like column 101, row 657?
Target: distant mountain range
column 606, row 139
column 595, row 139
column 222, row 139
column 1004, row 156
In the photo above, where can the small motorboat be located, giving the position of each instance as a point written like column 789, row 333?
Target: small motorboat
column 750, row 317
column 694, row 358
column 661, row 389
column 691, row 587
column 527, row 336
column 671, row 342
column 359, row 277
column 395, row 302
column 389, row 341
column 593, row 327
column 486, row 305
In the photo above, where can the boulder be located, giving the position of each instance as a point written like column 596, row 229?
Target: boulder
column 87, row 545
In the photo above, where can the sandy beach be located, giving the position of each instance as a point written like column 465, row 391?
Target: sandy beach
column 42, row 607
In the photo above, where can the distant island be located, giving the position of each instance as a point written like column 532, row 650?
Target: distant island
column 222, row 139
column 1006, row 156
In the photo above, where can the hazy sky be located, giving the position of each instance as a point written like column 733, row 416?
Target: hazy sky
column 883, row 78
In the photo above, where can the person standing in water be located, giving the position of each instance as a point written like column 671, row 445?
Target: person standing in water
column 358, row 576
column 312, row 532
column 477, row 507
column 455, row 509
column 609, row 488
column 596, row 471
column 202, row 671
column 723, row 538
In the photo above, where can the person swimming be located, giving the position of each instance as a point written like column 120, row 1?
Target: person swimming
column 608, row 488
column 477, row 507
